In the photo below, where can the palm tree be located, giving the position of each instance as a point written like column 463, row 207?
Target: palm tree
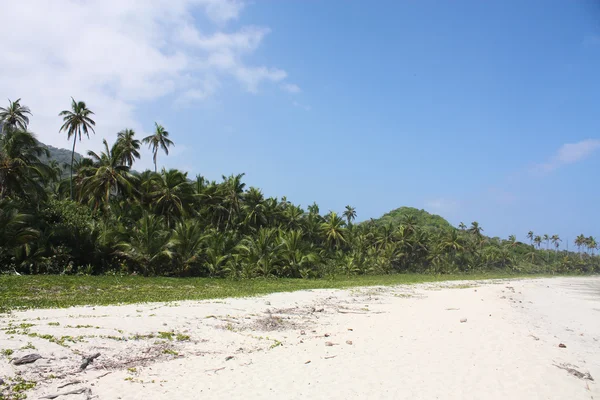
column 462, row 226
column 21, row 171
column 172, row 194
column 591, row 244
column 350, row 214
column 15, row 115
column 158, row 140
column 76, row 120
column 333, row 229
column 530, row 237
column 579, row 241
column 15, row 227
column 187, row 242
column 538, row 241
column 107, row 176
column 556, row 242
column 547, row 240
column 148, row 244
column 128, row 146
column 475, row 229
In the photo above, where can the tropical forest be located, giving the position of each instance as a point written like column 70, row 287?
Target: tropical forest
column 64, row 213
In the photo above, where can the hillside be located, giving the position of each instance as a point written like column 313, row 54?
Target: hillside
column 422, row 218
column 62, row 156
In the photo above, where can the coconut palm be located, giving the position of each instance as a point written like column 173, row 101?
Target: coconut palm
column 530, row 236
column 579, row 241
column 76, row 121
column 546, row 239
column 333, row 229
column 350, row 214
column 187, row 243
column 158, row 140
column 128, row 146
column 21, row 171
column 148, row 245
column 172, row 194
column 108, row 176
column 591, row 244
column 462, row 226
column 556, row 242
column 475, row 229
column 15, row 116
column 538, row 241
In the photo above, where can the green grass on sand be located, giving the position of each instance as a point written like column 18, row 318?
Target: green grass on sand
column 51, row 291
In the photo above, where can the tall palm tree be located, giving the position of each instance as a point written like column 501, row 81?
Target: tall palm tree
column 579, row 241
column 128, row 146
column 462, row 226
column 547, row 240
column 14, row 115
column 556, row 242
column 76, row 120
column 158, row 140
column 591, row 244
column 530, row 236
column 538, row 241
column 476, row 230
column 350, row 214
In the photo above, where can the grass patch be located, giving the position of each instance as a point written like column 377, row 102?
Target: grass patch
column 53, row 291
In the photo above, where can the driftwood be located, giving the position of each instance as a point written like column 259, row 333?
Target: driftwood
column 575, row 373
column 68, row 384
column 28, row 359
column 87, row 361
column 76, row 391
column 215, row 370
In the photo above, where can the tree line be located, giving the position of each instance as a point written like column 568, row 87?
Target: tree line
column 107, row 218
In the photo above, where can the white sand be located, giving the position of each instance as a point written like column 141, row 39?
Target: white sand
column 407, row 342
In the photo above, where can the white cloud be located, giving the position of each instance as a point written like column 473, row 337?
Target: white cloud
column 291, row 88
column 302, row 106
column 116, row 54
column 441, row 205
column 569, row 153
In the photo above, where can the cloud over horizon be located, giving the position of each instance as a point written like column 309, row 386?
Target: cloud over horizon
column 568, row 153
column 119, row 54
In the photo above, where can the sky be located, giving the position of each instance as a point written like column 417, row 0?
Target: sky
column 474, row 110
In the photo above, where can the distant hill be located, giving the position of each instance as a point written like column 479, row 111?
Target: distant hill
column 422, row 217
column 62, row 156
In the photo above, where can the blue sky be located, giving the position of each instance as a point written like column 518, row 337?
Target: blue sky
column 475, row 110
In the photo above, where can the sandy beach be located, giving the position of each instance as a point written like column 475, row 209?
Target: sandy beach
column 496, row 339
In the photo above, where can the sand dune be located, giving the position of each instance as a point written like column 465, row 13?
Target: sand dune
column 404, row 342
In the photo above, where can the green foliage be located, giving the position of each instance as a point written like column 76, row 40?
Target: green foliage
column 109, row 220
column 410, row 215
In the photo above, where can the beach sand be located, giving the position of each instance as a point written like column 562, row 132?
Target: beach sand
column 453, row 340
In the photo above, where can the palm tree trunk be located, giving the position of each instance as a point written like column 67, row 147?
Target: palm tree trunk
column 72, row 159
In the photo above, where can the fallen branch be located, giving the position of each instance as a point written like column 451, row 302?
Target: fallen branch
column 103, row 375
column 28, row 359
column 352, row 312
column 215, row 370
column 68, row 384
column 76, row 391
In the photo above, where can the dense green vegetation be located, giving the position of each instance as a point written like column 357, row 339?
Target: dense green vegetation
column 421, row 217
column 105, row 218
